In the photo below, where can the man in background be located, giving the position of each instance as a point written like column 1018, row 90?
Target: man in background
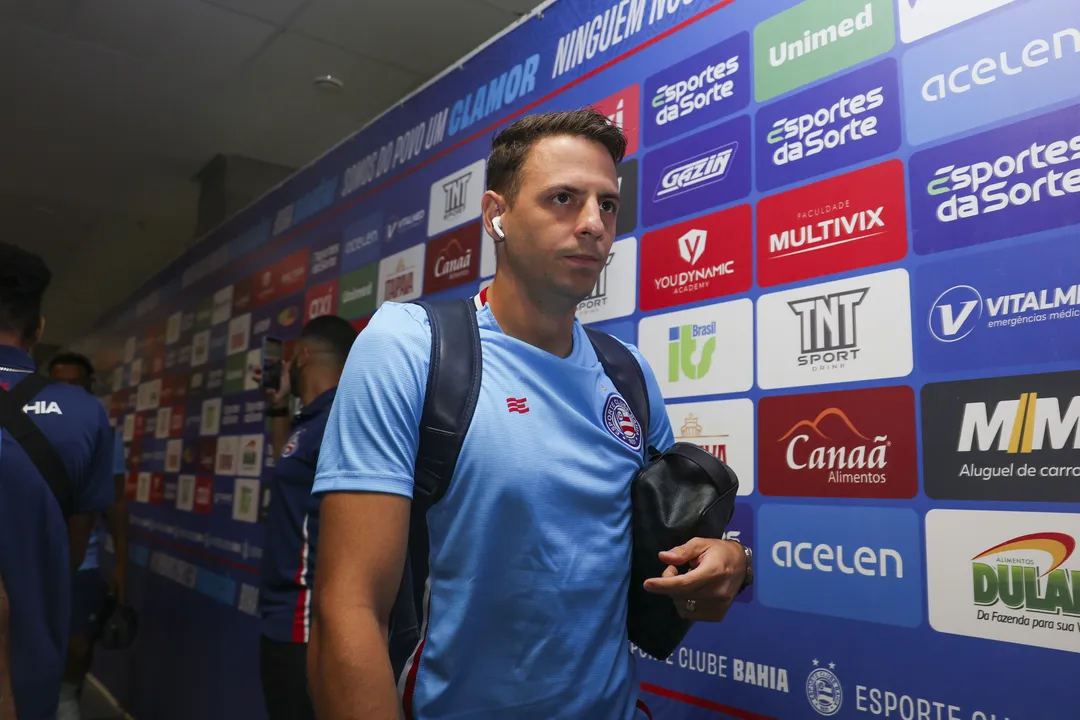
column 292, row 523
column 89, row 587
column 39, row 548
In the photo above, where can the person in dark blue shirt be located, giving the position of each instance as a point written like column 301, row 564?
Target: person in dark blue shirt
column 292, row 523
column 38, row 553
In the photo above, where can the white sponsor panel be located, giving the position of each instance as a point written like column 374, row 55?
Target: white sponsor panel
column 136, row 373
column 251, row 452
column 724, row 428
column 1008, row 576
column 842, row 331
column 148, row 395
column 185, row 492
column 200, row 348
column 239, row 334
column 615, row 294
column 129, row 428
column 246, row 500
column 401, row 276
column 223, row 300
column 707, row 350
column 455, row 198
column 142, row 491
column 254, row 360
column 173, row 328
column 210, row 422
column 174, row 449
column 163, row 424
column 228, row 452
column 926, row 17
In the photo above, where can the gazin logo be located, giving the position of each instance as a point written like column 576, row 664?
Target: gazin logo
column 955, row 313
column 682, row 346
column 824, row 691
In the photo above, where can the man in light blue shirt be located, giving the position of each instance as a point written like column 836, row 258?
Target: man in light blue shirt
column 526, row 599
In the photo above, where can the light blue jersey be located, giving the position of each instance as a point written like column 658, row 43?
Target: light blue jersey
column 530, row 546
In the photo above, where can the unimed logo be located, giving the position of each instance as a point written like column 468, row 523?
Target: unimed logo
column 853, row 443
column 1012, row 438
column 696, row 260
column 862, row 563
column 843, row 223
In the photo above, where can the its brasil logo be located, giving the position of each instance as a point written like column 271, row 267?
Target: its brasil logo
column 1007, row 574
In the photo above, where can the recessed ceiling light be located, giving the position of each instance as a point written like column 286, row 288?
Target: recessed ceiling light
column 328, row 83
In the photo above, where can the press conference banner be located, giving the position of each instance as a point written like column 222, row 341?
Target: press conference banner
column 848, row 247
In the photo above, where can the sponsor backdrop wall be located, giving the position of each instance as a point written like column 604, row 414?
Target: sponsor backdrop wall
column 849, row 250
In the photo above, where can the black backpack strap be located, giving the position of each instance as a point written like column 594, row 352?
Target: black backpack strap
column 625, row 372
column 33, row 441
column 452, row 390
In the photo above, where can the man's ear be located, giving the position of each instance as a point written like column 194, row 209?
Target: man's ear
column 493, row 205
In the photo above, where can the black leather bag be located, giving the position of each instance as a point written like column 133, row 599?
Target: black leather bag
column 678, row 495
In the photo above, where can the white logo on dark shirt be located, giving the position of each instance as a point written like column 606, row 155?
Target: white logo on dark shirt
column 41, row 407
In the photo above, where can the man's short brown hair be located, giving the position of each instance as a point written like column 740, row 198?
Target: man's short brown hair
column 510, row 147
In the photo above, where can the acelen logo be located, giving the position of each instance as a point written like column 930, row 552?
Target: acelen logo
column 843, row 122
column 703, row 88
column 920, row 18
column 978, row 316
column 453, row 259
column 694, row 174
column 1015, row 180
column 854, row 443
column 321, row 300
column 844, row 223
column 862, row 563
column 1005, row 576
column 623, row 109
column 1012, row 438
column 1004, row 64
column 696, row 260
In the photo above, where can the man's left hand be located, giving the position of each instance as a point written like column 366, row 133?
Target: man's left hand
column 717, row 568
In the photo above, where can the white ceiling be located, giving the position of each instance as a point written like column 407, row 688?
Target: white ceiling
column 110, row 107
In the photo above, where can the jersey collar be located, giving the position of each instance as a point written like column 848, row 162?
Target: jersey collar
column 13, row 359
column 319, row 404
column 480, row 300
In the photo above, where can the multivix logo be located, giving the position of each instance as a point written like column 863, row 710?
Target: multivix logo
column 827, row 325
column 685, row 357
column 1028, row 424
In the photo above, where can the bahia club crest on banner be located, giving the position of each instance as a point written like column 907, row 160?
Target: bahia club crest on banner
column 848, row 247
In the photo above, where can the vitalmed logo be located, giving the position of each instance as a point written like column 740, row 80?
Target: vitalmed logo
column 1005, row 64
column 817, row 38
column 453, row 259
column 682, row 348
column 696, row 260
column 703, row 88
column 360, row 242
column 397, row 226
column 843, row 223
column 1015, row 180
column 400, row 276
column 1013, row 438
column 841, row 331
column 842, row 122
column 613, row 296
column 854, row 443
column 1006, row 576
column 623, row 109
column 683, row 179
column 862, row 563
column 977, row 314
column 455, row 198
column 321, row 300
column 920, row 18
column 724, row 429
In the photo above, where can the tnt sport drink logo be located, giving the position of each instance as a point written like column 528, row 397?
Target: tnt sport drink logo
column 862, row 563
column 843, row 223
column 1014, row 438
column 1015, row 180
column 696, row 260
column 706, row 87
column 979, row 315
column 1004, row 64
column 1007, row 576
column 842, row 122
column 683, row 179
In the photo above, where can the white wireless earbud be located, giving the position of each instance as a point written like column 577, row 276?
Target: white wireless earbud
column 496, row 223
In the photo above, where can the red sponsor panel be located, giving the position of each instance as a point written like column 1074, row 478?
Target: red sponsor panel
column 157, row 488
column 852, row 443
column 134, row 456
column 290, row 274
column 203, row 502
column 697, row 260
column 167, row 391
column 321, row 300
column 207, row 454
column 453, row 259
column 140, row 425
column 360, row 323
column 180, row 387
column 156, row 365
column 242, row 296
column 176, row 421
column 131, row 485
column 263, row 286
column 844, row 223
column 623, row 109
